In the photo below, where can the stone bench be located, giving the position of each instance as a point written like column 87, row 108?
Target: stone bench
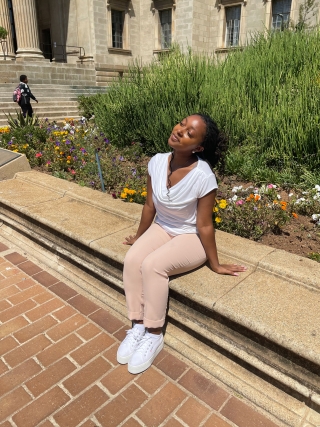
column 263, row 323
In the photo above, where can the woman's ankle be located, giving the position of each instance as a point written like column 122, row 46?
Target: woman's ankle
column 155, row 331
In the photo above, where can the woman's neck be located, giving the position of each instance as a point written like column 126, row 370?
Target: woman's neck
column 182, row 160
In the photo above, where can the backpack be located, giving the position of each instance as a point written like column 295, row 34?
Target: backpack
column 16, row 94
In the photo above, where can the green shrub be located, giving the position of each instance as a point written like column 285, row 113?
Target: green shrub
column 3, row 33
column 266, row 97
column 86, row 105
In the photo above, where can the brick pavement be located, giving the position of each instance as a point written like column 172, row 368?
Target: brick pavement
column 58, row 365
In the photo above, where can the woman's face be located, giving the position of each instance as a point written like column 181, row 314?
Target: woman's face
column 188, row 135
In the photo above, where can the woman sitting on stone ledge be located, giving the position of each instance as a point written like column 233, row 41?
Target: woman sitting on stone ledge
column 181, row 192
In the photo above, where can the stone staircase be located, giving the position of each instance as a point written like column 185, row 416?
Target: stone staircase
column 56, row 102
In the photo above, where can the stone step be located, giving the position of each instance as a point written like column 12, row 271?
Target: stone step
column 264, row 321
column 55, row 86
column 44, row 103
column 50, row 115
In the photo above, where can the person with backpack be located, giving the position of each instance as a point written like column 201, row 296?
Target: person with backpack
column 22, row 95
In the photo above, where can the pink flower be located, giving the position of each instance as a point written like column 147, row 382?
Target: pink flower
column 39, row 155
column 48, row 162
column 73, row 171
column 239, row 202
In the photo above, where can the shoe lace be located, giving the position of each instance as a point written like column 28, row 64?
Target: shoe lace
column 144, row 344
column 132, row 335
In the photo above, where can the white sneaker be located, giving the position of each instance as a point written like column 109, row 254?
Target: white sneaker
column 148, row 348
column 130, row 343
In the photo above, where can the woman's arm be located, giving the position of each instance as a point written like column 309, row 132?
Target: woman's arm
column 148, row 213
column 207, row 236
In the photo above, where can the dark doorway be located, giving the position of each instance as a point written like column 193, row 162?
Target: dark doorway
column 13, row 28
column 46, row 43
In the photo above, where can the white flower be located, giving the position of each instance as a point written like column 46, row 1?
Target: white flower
column 315, row 217
column 235, row 189
column 278, row 196
column 302, row 199
column 256, row 190
column 290, row 195
column 317, row 187
column 305, row 192
column 234, row 198
column 316, row 197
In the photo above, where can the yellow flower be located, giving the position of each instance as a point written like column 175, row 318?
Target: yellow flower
column 4, row 129
column 126, row 190
column 15, row 151
column 68, row 161
column 123, row 195
column 131, row 200
column 144, row 194
column 57, row 148
column 218, row 219
column 215, row 209
column 223, row 204
column 131, row 192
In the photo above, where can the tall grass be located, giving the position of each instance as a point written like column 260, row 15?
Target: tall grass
column 266, row 98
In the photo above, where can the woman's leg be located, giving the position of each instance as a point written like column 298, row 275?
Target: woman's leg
column 179, row 255
column 150, row 241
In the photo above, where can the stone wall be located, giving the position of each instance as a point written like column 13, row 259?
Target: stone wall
column 42, row 73
column 199, row 24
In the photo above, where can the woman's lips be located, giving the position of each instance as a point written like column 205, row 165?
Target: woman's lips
column 174, row 138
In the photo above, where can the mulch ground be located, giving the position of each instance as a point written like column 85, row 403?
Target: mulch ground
column 58, row 365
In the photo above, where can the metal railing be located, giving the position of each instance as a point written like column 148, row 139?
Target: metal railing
column 4, row 47
column 60, row 52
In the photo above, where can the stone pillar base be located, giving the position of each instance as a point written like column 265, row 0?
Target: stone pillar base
column 30, row 54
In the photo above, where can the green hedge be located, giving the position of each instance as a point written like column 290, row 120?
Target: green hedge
column 266, row 97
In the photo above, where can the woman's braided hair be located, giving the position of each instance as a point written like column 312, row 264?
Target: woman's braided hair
column 215, row 143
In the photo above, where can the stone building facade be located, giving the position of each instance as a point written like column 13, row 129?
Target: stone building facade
column 112, row 33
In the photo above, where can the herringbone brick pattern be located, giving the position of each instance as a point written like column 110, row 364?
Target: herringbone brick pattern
column 58, row 365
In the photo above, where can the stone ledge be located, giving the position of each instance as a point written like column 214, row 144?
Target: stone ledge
column 252, row 316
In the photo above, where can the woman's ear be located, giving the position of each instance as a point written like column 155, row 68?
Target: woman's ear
column 199, row 149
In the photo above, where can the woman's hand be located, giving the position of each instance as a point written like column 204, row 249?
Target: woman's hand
column 130, row 240
column 229, row 269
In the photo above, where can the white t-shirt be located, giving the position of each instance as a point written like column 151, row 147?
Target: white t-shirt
column 176, row 213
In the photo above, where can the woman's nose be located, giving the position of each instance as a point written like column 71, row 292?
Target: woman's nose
column 179, row 131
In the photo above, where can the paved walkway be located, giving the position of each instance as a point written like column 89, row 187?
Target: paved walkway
column 58, row 365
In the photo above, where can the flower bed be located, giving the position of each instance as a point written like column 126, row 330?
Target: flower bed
column 262, row 213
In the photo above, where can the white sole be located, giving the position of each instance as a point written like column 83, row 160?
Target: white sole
column 140, row 368
column 123, row 360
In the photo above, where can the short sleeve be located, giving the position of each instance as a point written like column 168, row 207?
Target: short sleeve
column 208, row 184
column 152, row 165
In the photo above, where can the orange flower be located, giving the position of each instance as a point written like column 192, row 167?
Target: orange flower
column 250, row 197
column 294, row 215
column 257, row 197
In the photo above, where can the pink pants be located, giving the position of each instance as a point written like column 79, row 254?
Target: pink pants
column 147, row 266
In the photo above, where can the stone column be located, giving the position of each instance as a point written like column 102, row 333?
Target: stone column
column 5, row 23
column 25, row 17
